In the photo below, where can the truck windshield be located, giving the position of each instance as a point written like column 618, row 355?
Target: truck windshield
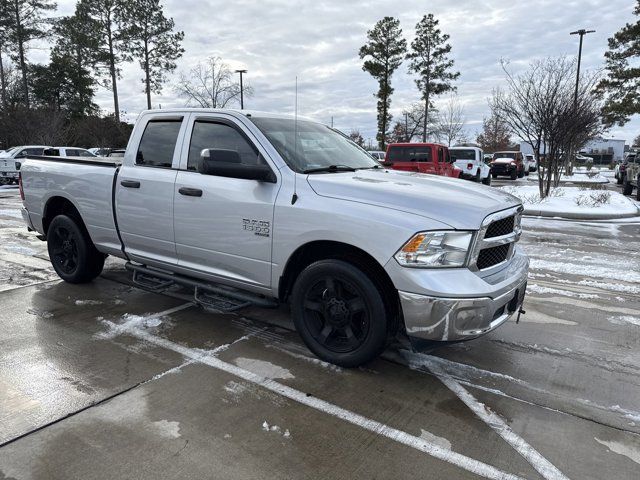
column 463, row 154
column 310, row 145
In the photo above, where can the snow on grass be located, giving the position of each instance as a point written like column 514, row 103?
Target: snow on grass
column 573, row 200
column 593, row 177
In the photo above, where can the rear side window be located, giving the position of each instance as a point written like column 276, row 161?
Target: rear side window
column 71, row 152
column 158, row 143
column 220, row 136
column 409, row 154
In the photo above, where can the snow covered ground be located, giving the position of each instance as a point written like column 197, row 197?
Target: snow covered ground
column 579, row 177
column 574, row 202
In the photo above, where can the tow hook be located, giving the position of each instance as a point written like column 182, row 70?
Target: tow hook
column 520, row 312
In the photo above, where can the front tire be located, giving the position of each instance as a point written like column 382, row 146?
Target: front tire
column 627, row 188
column 339, row 313
column 71, row 251
column 513, row 175
column 638, row 188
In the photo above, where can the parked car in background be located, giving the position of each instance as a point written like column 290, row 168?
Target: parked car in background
column 508, row 164
column 430, row 158
column 471, row 161
column 621, row 168
column 377, row 154
column 632, row 176
column 11, row 161
column 68, row 152
column 266, row 209
column 530, row 163
column 116, row 153
column 99, row 151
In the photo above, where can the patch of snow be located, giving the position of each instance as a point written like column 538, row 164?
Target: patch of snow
column 566, row 293
column 226, row 435
column 625, row 320
column 587, row 270
column 571, row 200
column 630, row 451
column 21, row 249
column 440, row 441
column 129, row 322
column 578, row 177
column 315, row 361
column 13, row 213
column 263, row 368
column 118, row 301
column 275, row 428
column 235, row 388
column 621, row 299
column 39, row 313
column 167, row 429
column 88, row 302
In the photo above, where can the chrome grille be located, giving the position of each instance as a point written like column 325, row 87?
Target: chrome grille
column 501, row 227
column 492, row 256
column 495, row 243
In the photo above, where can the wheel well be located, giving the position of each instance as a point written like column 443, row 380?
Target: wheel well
column 322, row 250
column 60, row 206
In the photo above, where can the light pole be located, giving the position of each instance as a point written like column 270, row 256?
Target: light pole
column 582, row 32
column 241, row 89
column 3, row 85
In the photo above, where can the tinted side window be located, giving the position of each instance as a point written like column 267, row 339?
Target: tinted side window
column 396, row 154
column 72, row 152
column 220, row 136
column 158, row 143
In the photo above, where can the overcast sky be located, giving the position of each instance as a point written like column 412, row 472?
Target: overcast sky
column 318, row 40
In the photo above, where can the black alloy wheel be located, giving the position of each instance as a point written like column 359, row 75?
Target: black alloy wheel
column 64, row 249
column 339, row 312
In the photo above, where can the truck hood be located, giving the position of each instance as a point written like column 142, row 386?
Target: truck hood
column 457, row 203
column 503, row 160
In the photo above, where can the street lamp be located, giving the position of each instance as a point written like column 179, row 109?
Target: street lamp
column 582, row 32
column 241, row 89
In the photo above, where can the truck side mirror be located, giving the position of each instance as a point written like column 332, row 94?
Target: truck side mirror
column 227, row 163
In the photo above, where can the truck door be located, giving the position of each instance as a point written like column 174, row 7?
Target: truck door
column 223, row 225
column 144, row 191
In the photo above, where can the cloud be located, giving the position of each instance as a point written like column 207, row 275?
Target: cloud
column 318, row 41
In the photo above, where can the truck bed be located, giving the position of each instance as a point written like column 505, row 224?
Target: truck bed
column 87, row 182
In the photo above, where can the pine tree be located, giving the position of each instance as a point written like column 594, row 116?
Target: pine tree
column 151, row 39
column 106, row 15
column 622, row 82
column 383, row 54
column 24, row 22
column 429, row 57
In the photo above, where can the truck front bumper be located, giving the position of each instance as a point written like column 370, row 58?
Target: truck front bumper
column 448, row 310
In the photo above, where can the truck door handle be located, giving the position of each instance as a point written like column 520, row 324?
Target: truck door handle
column 130, row 183
column 190, row 192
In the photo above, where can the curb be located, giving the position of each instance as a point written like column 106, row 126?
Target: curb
column 579, row 215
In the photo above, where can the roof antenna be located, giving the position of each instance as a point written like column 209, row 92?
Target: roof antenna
column 294, row 198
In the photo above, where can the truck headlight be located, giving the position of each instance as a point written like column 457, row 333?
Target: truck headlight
column 435, row 250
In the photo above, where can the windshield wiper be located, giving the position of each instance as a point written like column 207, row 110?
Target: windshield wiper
column 331, row 169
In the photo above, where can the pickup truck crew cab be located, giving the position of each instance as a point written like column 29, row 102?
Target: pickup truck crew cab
column 263, row 209
column 11, row 161
column 430, row 158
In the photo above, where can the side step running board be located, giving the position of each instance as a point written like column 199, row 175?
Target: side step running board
column 210, row 296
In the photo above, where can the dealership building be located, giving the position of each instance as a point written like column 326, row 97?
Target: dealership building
column 602, row 150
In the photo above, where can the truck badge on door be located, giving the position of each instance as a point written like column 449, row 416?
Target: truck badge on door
column 258, row 227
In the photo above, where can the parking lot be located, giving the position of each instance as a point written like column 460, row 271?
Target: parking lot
column 107, row 377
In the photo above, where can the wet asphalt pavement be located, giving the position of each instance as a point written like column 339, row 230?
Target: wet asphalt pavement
column 106, row 380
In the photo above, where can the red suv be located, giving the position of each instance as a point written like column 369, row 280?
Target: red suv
column 430, row 158
column 510, row 164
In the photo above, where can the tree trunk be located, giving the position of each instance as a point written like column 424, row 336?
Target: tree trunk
column 23, row 63
column 426, row 117
column 112, row 71
column 146, row 74
column 3, row 84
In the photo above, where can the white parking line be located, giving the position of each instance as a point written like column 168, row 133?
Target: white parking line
column 378, row 428
column 530, row 454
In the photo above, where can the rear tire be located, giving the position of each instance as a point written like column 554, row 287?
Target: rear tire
column 71, row 251
column 487, row 180
column 339, row 313
column 477, row 178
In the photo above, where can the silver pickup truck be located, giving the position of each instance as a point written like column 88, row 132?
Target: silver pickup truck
column 250, row 208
